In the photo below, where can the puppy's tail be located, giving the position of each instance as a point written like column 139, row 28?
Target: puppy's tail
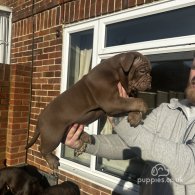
column 34, row 139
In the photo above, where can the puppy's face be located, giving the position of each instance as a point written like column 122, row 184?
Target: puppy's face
column 139, row 79
column 137, row 68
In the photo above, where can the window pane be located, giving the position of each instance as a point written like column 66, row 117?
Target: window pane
column 80, row 56
column 169, row 24
column 169, row 79
column 4, row 36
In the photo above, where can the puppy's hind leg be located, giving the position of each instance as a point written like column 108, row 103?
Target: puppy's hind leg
column 48, row 144
column 52, row 160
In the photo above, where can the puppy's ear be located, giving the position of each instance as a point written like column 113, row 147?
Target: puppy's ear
column 127, row 60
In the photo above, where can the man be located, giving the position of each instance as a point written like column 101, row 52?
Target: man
column 166, row 141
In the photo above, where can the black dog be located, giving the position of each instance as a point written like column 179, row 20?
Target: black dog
column 65, row 188
column 15, row 180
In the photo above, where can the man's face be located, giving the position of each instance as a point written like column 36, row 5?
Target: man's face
column 190, row 90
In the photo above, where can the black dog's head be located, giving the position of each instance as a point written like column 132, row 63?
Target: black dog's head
column 137, row 68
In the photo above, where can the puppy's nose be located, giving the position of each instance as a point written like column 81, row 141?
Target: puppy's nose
column 149, row 86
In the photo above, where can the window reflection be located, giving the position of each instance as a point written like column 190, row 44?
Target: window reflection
column 159, row 26
column 80, row 55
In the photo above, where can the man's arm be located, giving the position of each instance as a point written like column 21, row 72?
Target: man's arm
column 178, row 157
column 107, row 146
column 110, row 147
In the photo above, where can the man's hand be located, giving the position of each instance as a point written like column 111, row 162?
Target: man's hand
column 73, row 137
column 122, row 93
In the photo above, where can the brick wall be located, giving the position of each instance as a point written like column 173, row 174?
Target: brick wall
column 36, row 70
column 20, row 91
column 4, row 102
column 46, row 70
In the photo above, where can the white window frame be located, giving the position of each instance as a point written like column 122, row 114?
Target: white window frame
column 179, row 44
column 8, row 10
column 183, row 43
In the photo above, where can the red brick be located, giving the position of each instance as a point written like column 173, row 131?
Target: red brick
column 53, row 17
column 77, row 8
column 46, row 62
column 42, row 57
column 58, row 16
column 118, row 5
column 58, row 61
column 111, row 6
column 56, row 42
column 72, row 11
column 54, row 80
column 53, row 93
column 98, row 7
column 49, row 49
column 140, row 2
column 92, row 8
column 55, row 54
column 49, row 19
column 82, row 9
column 11, row 161
column 48, row 74
column 59, row 47
column 67, row 13
column 124, row 4
column 104, row 6
column 87, row 8
column 46, row 20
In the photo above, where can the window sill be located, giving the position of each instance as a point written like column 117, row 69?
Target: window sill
column 122, row 187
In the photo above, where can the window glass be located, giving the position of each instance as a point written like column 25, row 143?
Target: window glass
column 80, row 56
column 4, row 36
column 170, row 24
column 169, row 79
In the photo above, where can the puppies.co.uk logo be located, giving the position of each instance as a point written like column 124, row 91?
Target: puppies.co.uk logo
column 160, row 171
column 160, row 174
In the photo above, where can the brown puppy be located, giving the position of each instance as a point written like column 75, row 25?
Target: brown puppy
column 18, row 181
column 91, row 97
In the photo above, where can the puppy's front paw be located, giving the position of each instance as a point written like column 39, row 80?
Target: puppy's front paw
column 134, row 118
column 143, row 107
column 85, row 137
